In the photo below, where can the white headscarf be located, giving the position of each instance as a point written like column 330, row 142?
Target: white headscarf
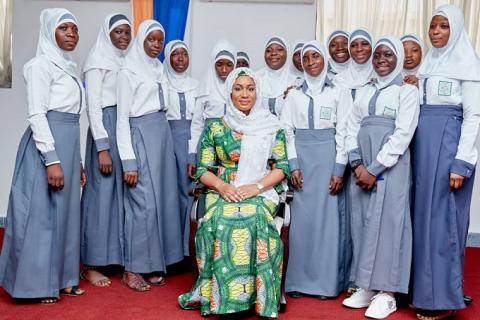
column 258, row 131
column 50, row 19
column 315, row 84
column 242, row 55
column 297, row 46
column 180, row 82
column 212, row 85
column 137, row 61
column 356, row 75
column 419, row 41
column 457, row 59
column 336, row 67
column 397, row 47
column 104, row 55
column 274, row 82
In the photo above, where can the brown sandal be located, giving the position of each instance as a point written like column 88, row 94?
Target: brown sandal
column 436, row 315
column 159, row 282
column 138, row 283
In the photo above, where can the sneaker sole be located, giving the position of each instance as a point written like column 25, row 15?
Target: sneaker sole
column 373, row 317
column 355, row 306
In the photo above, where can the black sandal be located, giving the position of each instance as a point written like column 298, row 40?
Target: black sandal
column 75, row 291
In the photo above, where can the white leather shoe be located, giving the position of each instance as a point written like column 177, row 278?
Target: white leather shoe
column 360, row 299
column 382, row 306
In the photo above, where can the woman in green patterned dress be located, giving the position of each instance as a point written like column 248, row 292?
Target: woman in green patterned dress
column 242, row 160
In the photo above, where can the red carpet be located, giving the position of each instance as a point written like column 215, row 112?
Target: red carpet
column 118, row 302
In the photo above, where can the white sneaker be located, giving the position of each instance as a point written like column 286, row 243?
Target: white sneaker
column 360, row 299
column 382, row 306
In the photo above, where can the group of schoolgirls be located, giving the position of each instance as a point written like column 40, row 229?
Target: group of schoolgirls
column 381, row 148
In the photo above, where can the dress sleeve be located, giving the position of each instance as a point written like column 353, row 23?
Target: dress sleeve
column 344, row 106
column 125, row 94
column 467, row 154
column 38, row 79
column 94, row 83
column 353, row 127
column 405, row 125
column 196, row 128
column 280, row 154
column 289, row 133
column 207, row 158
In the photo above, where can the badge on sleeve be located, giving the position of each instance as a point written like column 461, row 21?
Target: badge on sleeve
column 444, row 88
column 389, row 112
column 326, row 113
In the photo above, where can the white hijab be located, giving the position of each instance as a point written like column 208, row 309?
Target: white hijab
column 137, row 61
column 180, row 82
column 297, row 46
column 397, row 47
column 274, row 82
column 258, row 129
column 336, row 67
column 242, row 55
column 47, row 46
column 457, row 59
column 104, row 55
column 315, row 84
column 212, row 86
column 418, row 40
column 356, row 75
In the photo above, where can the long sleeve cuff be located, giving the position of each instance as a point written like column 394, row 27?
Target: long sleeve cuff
column 129, row 165
column 376, row 168
column 462, row 168
column 192, row 158
column 354, row 155
column 293, row 164
column 102, row 144
column 49, row 158
column 338, row 170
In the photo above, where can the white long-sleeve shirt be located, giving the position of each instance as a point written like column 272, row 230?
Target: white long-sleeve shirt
column 446, row 91
column 49, row 88
column 204, row 109
column 101, row 89
column 396, row 102
column 181, row 105
column 330, row 110
column 136, row 97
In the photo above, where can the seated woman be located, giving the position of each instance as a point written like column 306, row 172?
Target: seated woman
column 242, row 160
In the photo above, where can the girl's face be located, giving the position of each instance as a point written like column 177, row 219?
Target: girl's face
column 439, row 31
column 153, row 43
column 338, row 49
column 121, row 36
column 297, row 60
column 223, row 67
column 244, row 94
column 179, row 60
column 413, row 55
column 242, row 63
column 361, row 50
column 275, row 56
column 313, row 63
column 66, row 36
column 384, row 60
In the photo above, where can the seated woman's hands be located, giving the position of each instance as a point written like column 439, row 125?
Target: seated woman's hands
column 365, row 179
column 228, row 192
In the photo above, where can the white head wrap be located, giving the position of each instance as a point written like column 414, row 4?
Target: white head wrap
column 212, row 85
column 104, row 55
column 258, row 129
column 457, row 59
column 137, row 61
column 180, row 82
column 356, row 75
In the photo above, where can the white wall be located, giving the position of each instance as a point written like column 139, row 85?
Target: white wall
column 90, row 15
column 247, row 26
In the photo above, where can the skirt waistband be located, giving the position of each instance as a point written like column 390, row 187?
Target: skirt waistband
column 315, row 134
column 441, row 110
column 154, row 116
column 378, row 121
column 63, row 116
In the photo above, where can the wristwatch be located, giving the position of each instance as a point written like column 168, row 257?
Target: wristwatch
column 355, row 163
column 259, row 186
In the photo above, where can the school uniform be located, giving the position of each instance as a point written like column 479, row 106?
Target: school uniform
column 103, row 218
column 314, row 117
column 41, row 249
column 444, row 143
column 182, row 95
column 152, row 214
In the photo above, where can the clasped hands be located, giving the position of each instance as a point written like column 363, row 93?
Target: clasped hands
column 365, row 179
column 230, row 193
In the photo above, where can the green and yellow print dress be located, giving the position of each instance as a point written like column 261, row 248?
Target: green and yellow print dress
column 238, row 249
